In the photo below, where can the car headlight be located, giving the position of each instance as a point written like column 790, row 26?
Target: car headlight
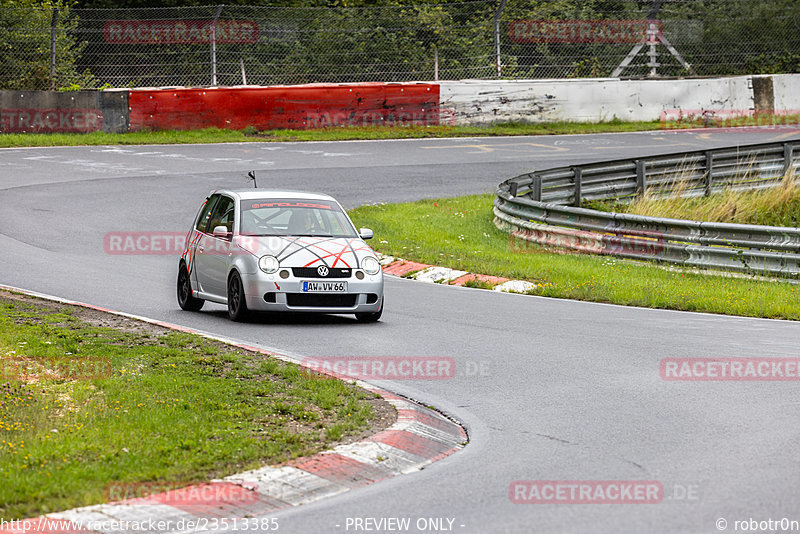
column 269, row 264
column 371, row 265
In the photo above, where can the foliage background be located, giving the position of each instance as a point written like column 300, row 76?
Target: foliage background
column 307, row 41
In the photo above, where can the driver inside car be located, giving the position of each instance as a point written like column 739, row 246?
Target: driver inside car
column 303, row 222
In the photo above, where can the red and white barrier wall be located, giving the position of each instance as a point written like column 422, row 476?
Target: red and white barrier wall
column 290, row 107
column 469, row 102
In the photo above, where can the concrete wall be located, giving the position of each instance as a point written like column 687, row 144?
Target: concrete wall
column 74, row 111
column 787, row 92
column 592, row 100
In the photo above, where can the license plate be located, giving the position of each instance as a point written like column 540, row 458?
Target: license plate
column 324, row 287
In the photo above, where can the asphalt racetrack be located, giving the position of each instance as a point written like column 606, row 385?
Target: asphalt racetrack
column 549, row 390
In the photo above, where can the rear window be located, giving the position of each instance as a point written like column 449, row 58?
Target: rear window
column 294, row 217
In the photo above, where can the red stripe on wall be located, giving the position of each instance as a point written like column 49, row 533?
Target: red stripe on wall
column 296, row 107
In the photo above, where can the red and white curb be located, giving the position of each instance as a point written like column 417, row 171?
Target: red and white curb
column 443, row 275
column 419, row 437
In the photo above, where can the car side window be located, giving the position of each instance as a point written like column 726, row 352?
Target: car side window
column 222, row 214
column 205, row 214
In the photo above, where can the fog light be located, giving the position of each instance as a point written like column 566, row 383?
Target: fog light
column 360, row 275
column 284, row 274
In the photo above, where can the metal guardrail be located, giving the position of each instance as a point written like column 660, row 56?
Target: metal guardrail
column 543, row 207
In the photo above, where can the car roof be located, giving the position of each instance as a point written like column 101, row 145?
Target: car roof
column 255, row 194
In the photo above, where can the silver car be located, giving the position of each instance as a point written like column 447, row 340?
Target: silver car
column 260, row 250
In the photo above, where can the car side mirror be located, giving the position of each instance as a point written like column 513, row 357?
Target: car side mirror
column 221, row 231
column 365, row 233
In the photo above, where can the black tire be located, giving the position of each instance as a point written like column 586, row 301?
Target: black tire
column 186, row 300
column 372, row 317
column 237, row 304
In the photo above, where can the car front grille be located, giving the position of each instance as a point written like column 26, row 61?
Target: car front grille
column 320, row 300
column 311, row 272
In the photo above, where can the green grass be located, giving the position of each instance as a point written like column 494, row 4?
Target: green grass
column 211, row 135
column 459, row 233
column 215, row 135
column 416, row 132
column 172, row 408
column 777, row 206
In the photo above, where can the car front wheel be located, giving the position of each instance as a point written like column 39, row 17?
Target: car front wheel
column 370, row 317
column 186, row 300
column 237, row 304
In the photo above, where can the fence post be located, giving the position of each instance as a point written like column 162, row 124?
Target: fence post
column 709, row 176
column 53, row 32
column 641, row 177
column 497, row 15
column 577, row 172
column 214, row 47
column 536, row 191
column 788, row 159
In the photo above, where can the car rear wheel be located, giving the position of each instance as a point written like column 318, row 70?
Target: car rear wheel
column 237, row 304
column 186, row 300
column 371, row 317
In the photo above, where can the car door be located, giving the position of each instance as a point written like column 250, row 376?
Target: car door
column 212, row 253
column 193, row 241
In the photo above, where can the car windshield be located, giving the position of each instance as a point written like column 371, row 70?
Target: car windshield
column 295, row 217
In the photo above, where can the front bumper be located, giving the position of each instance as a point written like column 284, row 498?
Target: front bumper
column 270, row 292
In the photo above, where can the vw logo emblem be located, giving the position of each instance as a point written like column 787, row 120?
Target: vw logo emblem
column 322, row 270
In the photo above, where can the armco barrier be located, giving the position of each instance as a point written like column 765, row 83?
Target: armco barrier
column 296, row 107
column 74, row 111
column 543, row 207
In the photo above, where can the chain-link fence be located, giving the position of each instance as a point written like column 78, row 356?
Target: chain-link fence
column 236, row 45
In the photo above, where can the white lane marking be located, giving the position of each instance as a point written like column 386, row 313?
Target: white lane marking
column 114, row 149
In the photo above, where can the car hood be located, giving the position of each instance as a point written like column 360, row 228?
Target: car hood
column 308, row 251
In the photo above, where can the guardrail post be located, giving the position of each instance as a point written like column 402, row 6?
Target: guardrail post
column 709, row 176
column 641, row 177
column 536, row 190
column 577, row 172
column 788, row 159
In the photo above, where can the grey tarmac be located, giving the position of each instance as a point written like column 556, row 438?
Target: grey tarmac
column 549, row 390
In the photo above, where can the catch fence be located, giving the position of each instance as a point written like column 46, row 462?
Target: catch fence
column 222, row 45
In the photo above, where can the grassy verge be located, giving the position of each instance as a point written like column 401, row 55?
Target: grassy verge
column 215, row 135
column 88, row 410
column 777, row 206
column 459, row 233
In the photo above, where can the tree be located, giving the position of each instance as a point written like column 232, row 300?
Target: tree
column 25, row 45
